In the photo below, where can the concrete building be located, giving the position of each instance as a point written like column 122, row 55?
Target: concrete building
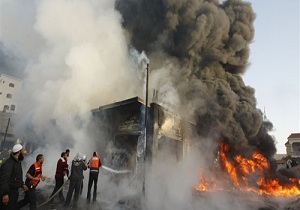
column 293, row 145
column 9, row 91
column 122, row 124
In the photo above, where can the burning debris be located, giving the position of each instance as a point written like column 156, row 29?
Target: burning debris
column 249, row 174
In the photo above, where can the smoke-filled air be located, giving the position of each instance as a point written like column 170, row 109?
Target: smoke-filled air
column 74, row 56
column 199, row 50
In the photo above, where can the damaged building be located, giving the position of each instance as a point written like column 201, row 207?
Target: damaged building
column 123, row 124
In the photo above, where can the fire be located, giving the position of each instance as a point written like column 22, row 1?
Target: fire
column 249, row 174
column 202, row 185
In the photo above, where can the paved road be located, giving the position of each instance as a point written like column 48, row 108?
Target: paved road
column 98, row 205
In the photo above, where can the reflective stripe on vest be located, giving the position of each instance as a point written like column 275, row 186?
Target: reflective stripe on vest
column 37, row 173
column 94, row 164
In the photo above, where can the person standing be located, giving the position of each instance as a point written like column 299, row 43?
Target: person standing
column 81, row 188
column 61, row 171
column 11, row 179
column 94, row 164
column 33, row 177
column 77, row 168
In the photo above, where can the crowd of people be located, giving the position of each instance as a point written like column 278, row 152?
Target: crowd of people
column 11, row 179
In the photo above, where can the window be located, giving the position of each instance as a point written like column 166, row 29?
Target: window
column 296, row 148
column 12, row 107
column 11, row 85
column 5, row 108
column 9, row 95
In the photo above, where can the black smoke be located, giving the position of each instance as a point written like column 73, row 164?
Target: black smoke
column 208, row 43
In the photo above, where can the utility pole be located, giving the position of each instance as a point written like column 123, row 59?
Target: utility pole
column 146, row 107
column 145, row 131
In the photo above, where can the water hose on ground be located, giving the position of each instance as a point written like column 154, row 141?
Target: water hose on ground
column 60, row 189
column 49, row 199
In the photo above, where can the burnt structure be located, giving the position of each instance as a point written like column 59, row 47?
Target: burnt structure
column 123, row 125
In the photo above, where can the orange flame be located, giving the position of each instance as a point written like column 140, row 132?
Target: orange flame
column 202, row 185
column 249, row 174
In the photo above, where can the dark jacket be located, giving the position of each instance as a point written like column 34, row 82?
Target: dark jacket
column 78, row 166
column 61, row 168
column 11, row 175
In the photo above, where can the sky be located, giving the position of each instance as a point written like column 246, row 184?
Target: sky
column 274, row 65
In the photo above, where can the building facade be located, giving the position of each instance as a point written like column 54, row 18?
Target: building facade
column 9, row 92
column 123, row 124
column 10, row 88
column 293, row 145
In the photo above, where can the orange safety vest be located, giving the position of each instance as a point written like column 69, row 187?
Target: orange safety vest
column 94, row 164
column 37, row 173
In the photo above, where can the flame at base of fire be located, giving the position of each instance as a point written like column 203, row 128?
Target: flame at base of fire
column 247, row 174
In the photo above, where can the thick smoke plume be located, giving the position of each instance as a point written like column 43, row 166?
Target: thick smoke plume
column 203, row 46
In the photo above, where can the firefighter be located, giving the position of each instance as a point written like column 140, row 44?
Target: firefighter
column 81, row 188
column 33, row 177
column 11, row 179
column 94, row 164
column 61, row 171
column 77, row 168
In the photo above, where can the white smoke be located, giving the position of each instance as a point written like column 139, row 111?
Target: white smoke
column 77, row 59
column 171, row 185
column 161, row 81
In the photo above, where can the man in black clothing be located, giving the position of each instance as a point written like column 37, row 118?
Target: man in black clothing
column 11, row 179
column 77, row 168
column 33, row 177
column 94, row 164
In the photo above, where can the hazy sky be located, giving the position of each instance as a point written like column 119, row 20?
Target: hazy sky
column 274, row 65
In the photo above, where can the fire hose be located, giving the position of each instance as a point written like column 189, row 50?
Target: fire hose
column 65, row 183
column 49, row 199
